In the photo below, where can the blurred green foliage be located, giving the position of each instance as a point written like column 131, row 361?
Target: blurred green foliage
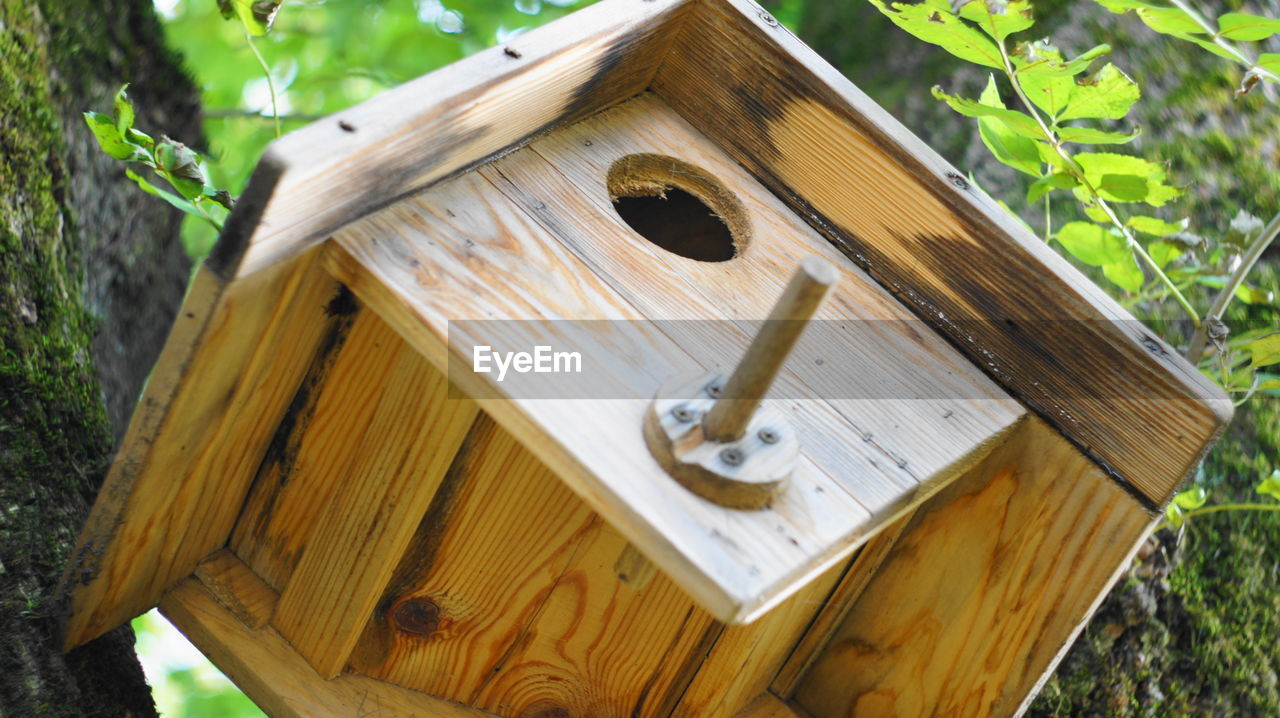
column 324, row 55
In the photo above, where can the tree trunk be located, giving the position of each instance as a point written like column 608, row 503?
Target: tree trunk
column 91, row 272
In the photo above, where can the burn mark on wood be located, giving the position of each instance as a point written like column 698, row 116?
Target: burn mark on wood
column 224, row 258
column 276, row 466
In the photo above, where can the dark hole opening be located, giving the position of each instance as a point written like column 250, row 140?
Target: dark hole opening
column 679, row 223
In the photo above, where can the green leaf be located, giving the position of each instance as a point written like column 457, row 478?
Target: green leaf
column 176, row 201
column 1253, row 295
column 1008, row 146
column 1156, row 227
column 1092, row 244
column 1019, row 122
column 1045, row 184
column 1265, row 350
column 1126, row 274
column 1270, row 61
column 123, row 111
column 1113, row 176
column 1191, row 499
column 1121, row 188
column 1090, row 136
column 1170, row 21
column 1164, row 252
column 1015, row 17
column 1122, row 6
column 937, row 26
column 1243, row 26
column 256, row 15
column 109, row 139
column 1048, row 92
column 1173, row 515
column 1107, row 95
column 181, row 166
column 1270, row 486
column 140, row 139
column 1210, row 46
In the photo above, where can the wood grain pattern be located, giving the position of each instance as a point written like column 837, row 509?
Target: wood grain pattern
column 263, row 665
column 1016, row 308
column 310, row 182
column 835, row 607
column 363, row 530
column 314, row 448
column 237, row 588
column 926, row 408
column 528, row 615
column 229, row 369
column 441, row 256
column 981, row 592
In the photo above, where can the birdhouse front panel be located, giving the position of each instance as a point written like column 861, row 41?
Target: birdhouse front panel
column 839, row 430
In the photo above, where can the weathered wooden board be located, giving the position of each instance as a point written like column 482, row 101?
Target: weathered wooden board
column 238, row 588
column 312, row 452
column 263, row 665
column 981, row 592
column 735, row 563
column 461, row 251
column 527, row 616
column 363, row 530
column 835, row 607
column 770, row 706
column 925, row 408
column 229, row 369
column 320, row 177
column 1020, row 311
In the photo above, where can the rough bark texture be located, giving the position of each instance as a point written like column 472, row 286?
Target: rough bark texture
column 91, row 272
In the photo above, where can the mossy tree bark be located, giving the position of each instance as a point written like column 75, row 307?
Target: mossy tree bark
column 91, row 271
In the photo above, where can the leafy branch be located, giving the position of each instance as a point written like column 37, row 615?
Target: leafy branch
column 1053, row 91
column 173, row 161
column 257, row 17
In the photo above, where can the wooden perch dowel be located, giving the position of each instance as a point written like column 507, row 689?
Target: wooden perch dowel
column 741, row 395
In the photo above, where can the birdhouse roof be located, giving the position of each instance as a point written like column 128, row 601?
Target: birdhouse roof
column 480, row 193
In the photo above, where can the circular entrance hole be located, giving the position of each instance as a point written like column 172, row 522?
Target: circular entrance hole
column 678, row 207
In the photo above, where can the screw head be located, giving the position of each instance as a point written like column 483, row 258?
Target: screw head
column 769, row 436
column 768, row 19
column 682, row 414
column 714, row 389
column 732, row 456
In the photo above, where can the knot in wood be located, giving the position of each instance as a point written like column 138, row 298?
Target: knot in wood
column 418, row 616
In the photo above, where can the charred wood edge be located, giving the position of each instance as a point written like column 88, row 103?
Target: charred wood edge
column 811, row 78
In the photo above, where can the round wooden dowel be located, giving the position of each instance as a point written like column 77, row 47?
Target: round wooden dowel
column 741, row 395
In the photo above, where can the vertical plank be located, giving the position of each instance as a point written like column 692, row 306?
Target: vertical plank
column 237, row 588
column 526, row 613
column 355, row 544
column 314, row 448
column 836, row 606
column 983, row 589
column 227, row 374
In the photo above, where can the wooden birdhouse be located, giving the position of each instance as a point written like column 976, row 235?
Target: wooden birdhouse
column 902, row 494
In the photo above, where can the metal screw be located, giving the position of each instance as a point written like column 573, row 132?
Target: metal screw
column 682, row 414
column 768, row 436
column 732, row 456
column 768, row 19
column 713, row 389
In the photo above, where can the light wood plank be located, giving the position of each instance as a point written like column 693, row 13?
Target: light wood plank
column 744, row 659
column 1020, row 311
column 370, row 518
column 263, row 665
column 227, row 374
column 835, row 607
column 325, row 175
column 314, row 448
column 928, row 414
column 528, row 616
column 439, row 257
column 984, row 588
column 237, row 588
